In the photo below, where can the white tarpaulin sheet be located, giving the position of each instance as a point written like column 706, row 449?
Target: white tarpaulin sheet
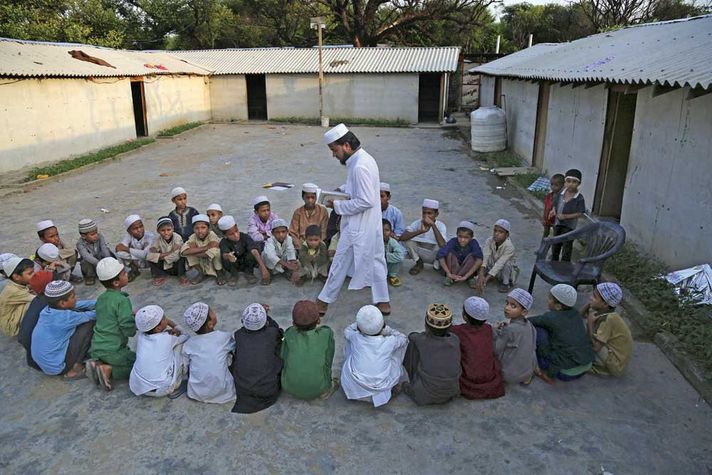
column 695, row 282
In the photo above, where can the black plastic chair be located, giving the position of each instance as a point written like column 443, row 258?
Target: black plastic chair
column 603, row 239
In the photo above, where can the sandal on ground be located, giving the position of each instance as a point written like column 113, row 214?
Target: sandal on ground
column 183, row 281
column 89, row 281
column 180, row 390
column 90, row 369
column 251, row 279
column 81, row 374
column 417, row 267
column 335, row 384
column 448, row 282
column 394, row 280
column 159, row 281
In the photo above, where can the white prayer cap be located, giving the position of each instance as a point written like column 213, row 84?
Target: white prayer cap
column 10, row 265
column 48, row 252
column 369, row 320
column 467, row 225
column 504, row 224
column 335, row 134
column 46, row 224
column 226, row 222
column 4, row 257
column 611, row 293
column 195, row 315
column 148, row 317
column 130, row 219
column 58, row 288
column 254, row 317
column 385, row 187
column 279, row 223
column 201, row 218
column 215, row 207
column 522, row 297
column 177, row 191
column 432, row 204
column 260, row 199
column 565, row 294
column 108, row 268
column 477, row 308
column 310, row 188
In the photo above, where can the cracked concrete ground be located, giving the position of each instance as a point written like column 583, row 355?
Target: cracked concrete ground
column 649, row 421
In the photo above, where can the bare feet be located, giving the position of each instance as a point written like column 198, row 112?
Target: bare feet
column 545, row 377
column 384, row 307
column 77, row 372
column 103, row 373
column 322, row 306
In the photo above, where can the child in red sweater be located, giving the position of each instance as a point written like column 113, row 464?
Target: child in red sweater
column 556, row 183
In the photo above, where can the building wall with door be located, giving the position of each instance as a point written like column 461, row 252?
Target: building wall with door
column 667, row 204
column 176, row 100
column 45, row 120
column 519, row 103
column 228, row 98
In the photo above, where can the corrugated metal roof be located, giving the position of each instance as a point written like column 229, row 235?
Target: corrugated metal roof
column 38, row 59
column 336, row 60
column 675, row 53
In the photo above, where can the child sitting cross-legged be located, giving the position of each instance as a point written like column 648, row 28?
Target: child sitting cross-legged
column 160, row 366
column 395, row 254
column 390, row 212
column 313, row 256
column 373, row 358
column 307, row 215
column 433, row 359
column 499, row 260
column 279, row 254
column 209, row 356
column 15, row 297
column 182, row 215
column 133, row 248
column 164, row 254
column 461, row 257
column 215, row 212
column 610, row 336
column 48, row 258
column 92, row 248
column 425, row 236
column 257, row 366
column 259, row 226
column 481, row 372
column 61, row 338
column 202, row 252
column 308, row 352
column 563, row 348
column 240, row 254
column 515, row 342
column 48, row 234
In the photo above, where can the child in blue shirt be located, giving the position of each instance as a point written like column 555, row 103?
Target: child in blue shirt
column 61, row 339
column 461, row 257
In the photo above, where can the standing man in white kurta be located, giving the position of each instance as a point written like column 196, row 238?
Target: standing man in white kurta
column 360, row 245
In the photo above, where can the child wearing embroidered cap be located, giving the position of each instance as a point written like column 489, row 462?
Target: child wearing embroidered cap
column 61, row 338
column 48, row 234
column 424, row 237
column 208, row 357
column 311, row 213
column 240, row 254
column 215, row 212
column 481, row 371
column 182, row 215
column 202, row 252
column 610, row 336
column 92, row 247
column 160, row 366
column 279, row 254
column 15, row 297
column 259, row 226
column 133, row 248
column 461, row 257
column 164, row 254
column 515, row 342
column 499, row 260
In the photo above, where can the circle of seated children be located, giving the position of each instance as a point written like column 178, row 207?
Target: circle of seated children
column 475, row 359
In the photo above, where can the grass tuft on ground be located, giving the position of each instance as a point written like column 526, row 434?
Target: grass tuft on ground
column 338, row 120
column 179, row 129
column 690, row 323
column 82, row 160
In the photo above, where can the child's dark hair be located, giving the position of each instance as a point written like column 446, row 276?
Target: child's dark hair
column 388, row 193
column 204, row 327
column 313, row 230
column 438, row 331
column 22, row 267
column 109, row 284
column 41, row 234
column 472, row 321
column 260, row 204
column 350, row 139
column 563, row 307
column 465, row 230
column 387, row 223
column 558, row 178
column 55, row 301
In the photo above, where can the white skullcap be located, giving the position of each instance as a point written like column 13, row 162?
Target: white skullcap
column 201, row 218
column 215, row 207
column 177, row 191
column 10, row 265
column 477, row 308
column 108, row 268
column 195, row 315
column 369, row 320
column 385, row 187
column 46, row 224
column 432, row 204
column 565, row 294
column 260, row 199
column 130, row 219
column 254, row 317
column 58, row 288
column 48, row 252
column 504, row 224
column 279, row 223
column 310, row 188
column 522, row 297
column 467, row 225
column 335, row 134
column 226, row 222
column 148, row 317
column 4, row 257
column 611, row 293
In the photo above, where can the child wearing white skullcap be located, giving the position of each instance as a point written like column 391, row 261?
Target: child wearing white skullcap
column 259, row 226
column 500, row 261
column 48, row 234
column 133, row 249
column 48, row 258
column 310, row 213
column 182, row 215
column 515, row 342
column 215, row 212
column 424, row 237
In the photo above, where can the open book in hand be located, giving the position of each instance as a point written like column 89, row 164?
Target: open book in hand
column 325, row 196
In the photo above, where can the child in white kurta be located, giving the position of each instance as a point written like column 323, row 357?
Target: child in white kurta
column 208, row 357
column 373, row 358
column 159, row 367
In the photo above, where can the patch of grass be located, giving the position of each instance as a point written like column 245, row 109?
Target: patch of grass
column 72, row 163
column 179, row 129
column 505, row 158
column 690, row 323
column 526, row 179
column 349, row 121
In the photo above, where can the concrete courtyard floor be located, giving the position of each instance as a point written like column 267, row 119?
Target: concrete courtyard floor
column 649, row 421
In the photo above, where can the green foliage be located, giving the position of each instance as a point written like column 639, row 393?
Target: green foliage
column 103, row 154
column 690, row 323
column 179, row 129
column 337, row 120
column 505, row 158
column 526, row 179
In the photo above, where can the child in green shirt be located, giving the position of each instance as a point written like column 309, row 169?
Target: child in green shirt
column 308, row 352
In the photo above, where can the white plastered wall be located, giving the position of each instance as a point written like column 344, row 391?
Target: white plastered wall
column 228, row 97
column 519, row 102
column 176, row 100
